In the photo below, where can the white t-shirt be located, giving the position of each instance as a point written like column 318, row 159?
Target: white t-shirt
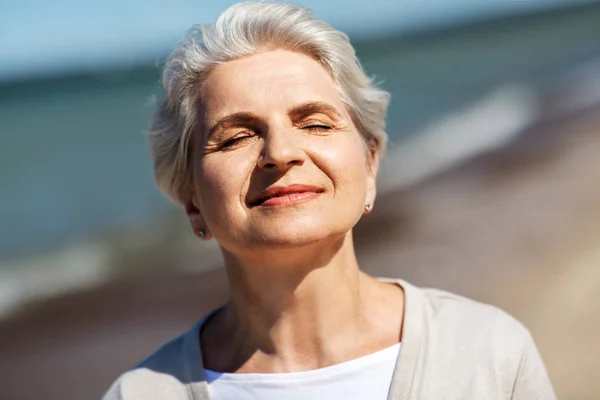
column 367, row 377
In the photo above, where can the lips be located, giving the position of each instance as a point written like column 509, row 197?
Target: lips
column 285, row 195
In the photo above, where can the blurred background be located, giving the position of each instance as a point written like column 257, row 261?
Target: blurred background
column 490, row 188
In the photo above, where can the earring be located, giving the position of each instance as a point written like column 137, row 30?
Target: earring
column 201, row 233
column 368, row 207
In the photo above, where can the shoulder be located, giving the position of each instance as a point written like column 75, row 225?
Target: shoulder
column 446, row 307
column 459, row 326
column 469, row 321
column 436, row 308
column 488, row 340
column 163, row 375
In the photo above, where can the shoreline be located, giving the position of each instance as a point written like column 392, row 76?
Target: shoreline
column 516, row 227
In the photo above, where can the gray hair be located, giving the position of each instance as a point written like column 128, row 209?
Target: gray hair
column 244, row 29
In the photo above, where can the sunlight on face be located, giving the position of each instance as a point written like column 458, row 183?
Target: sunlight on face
column 277, row 159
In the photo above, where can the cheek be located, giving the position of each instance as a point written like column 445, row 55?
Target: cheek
column 222, row 179
column 344, row 161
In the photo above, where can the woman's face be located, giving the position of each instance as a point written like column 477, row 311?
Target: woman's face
column 277, row 159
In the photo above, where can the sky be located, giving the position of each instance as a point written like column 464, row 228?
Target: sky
column 40, row 37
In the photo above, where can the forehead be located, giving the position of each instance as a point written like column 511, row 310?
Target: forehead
column 266, row 82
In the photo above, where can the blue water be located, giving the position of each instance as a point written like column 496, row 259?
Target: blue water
column 74, row 161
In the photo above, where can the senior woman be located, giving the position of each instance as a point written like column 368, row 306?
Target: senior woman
column 269, row 137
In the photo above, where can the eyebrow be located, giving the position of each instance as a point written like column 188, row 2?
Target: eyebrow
column 299, row 111
column 314, row 107
column 239, row 118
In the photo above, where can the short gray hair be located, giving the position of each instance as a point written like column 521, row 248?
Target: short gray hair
column 244, row 29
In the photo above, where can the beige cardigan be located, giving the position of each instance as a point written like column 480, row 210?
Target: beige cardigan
column 453, row 348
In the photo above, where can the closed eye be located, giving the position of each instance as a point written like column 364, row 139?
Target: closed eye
column 316, row 127
column 235, row 141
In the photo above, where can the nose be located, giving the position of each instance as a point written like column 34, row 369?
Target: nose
column 281, row 150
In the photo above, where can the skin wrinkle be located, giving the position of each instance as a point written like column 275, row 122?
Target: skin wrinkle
column 298, row 299
column 316, row 116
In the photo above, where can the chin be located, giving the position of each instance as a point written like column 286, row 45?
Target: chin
column 298, row 234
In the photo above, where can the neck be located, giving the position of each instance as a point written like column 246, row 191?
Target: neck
column 292, row 310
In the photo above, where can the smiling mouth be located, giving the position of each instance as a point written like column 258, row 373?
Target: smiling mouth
column 286, row 196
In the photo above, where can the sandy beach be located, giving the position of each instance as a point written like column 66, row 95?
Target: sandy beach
column 518, row 228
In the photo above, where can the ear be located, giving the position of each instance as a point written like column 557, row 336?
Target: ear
column 195, row 217
column 372, row 170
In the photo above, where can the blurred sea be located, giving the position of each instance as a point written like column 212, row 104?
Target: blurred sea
column 74, row 165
